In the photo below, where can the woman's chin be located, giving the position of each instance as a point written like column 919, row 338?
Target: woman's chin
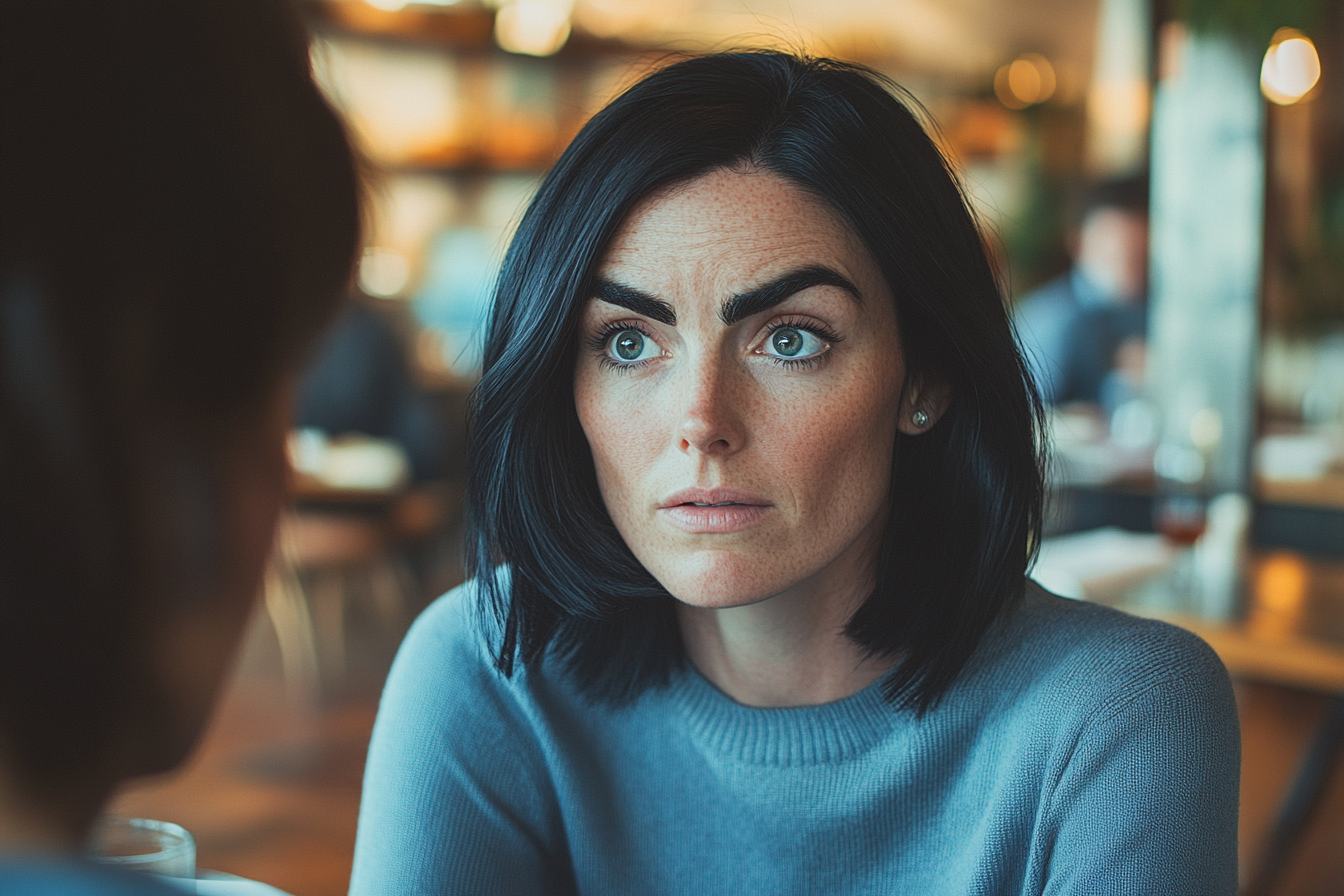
column 722, row 585
column 719, row 601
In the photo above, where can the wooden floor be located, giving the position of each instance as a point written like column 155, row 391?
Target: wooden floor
column 273, row 792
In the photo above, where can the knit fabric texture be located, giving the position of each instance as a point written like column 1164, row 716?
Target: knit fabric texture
column 1082, row 751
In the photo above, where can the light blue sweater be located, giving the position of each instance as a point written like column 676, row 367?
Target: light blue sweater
column 1082, row 751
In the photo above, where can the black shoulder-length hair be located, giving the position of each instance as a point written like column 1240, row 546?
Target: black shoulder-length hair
column 965, row 496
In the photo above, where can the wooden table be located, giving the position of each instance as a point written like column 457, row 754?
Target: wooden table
column 1291, row 634
column 306, row 488
column 1325, row 491
column 1296, row 662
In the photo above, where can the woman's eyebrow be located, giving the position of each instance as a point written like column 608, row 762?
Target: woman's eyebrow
column 737, row 307
column 633, row 300
column 762, row 298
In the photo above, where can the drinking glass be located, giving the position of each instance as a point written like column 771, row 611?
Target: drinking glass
column 142, row 844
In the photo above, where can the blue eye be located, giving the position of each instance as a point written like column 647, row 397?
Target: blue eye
column 793, row 343
column 631, row 346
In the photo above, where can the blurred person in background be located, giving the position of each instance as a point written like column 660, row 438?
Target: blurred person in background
column 361, row 382
column 179, row 214
column 1083, row 332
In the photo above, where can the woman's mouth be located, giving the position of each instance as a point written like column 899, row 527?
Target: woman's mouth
column 714, row 511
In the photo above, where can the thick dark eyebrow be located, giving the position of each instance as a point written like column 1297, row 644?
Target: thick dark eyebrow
column 736, row 308
column 763, row 298
column 634, row 300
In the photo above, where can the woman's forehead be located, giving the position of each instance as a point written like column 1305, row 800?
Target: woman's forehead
column 732, row 230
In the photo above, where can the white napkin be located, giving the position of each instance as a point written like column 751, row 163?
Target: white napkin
column 217, row 883
column 1100, row 564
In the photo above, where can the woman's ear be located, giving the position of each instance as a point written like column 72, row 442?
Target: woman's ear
column 923, row 405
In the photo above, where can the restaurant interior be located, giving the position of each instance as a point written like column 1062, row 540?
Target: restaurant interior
column 1205, row 488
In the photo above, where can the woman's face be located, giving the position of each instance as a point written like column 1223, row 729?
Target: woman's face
column 739, row 382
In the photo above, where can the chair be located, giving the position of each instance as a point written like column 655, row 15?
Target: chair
column 328, row 561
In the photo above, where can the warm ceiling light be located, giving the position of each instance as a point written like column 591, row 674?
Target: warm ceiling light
column 1027, row 80
column 533, row 27
column 387, row 5
column 1291, row 67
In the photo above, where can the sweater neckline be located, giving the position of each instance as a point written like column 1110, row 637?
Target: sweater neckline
column 794, row 735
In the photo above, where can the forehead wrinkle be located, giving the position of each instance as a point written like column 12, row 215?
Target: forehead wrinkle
column 688, row 240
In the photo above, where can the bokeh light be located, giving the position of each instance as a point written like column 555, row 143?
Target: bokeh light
column 383, row 272
column 1027, row 80
column 1278, row 597
column 1291, row 67
column 533, row 27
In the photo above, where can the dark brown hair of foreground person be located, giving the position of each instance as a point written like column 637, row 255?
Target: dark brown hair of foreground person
column 178, row 213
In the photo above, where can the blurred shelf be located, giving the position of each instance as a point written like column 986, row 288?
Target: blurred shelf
column 1317, row 531
column 1326, row 491
column 474, row 165
column 1301, row 515
column 506, row 152
column 461, row 28
column 488, row 131
column 464, row 28
column 1307, row 517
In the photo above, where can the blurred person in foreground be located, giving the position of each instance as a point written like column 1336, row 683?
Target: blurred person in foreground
column 1083, row 332
column 179, row 210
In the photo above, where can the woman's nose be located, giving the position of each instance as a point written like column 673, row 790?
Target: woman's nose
column 710, row 422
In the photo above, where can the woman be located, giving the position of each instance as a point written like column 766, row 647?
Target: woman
column 754, row 491
column 179, row 215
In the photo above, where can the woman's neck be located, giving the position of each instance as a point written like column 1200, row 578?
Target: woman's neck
column 790, row 649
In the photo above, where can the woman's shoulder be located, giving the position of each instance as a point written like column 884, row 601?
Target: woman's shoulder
column 452, row 618
column 456, row 765
column 450, row 631
column 1104, row 630
column 1086, row 653
column 451, row 652
column 1128, row 720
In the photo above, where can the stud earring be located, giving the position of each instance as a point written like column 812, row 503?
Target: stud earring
column 920, row 419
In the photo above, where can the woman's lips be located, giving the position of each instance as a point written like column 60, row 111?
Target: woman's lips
column 714, row 511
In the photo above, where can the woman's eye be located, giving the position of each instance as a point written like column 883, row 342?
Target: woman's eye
column 629, row 346
column 793, row 343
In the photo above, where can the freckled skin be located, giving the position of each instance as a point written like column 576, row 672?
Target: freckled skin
column 713, row 409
